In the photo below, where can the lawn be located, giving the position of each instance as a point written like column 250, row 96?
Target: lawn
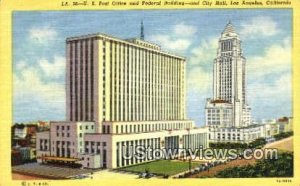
column 161, row 167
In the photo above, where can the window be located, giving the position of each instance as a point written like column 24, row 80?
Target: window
column 62, row 127
column 103, row 129
column 68, row 127
column 57, row 127
column 108, row 129
column 104, row 144
column 86, row 127
column 80, row 127
column 80, row 134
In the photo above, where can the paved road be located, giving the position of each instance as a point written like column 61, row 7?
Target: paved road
column 46, row 171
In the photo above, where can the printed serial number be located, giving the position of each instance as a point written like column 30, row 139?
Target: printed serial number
column 284, row 181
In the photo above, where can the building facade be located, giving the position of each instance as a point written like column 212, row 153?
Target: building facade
column 120, row 94
column 228, row 116
column 109, row 79
column 236, row 135
column 228, row 107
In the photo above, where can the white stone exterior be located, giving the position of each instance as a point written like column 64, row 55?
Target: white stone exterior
column 109, row 79
column 120, row 93
column 103, row 150
column 236, row 135
column 42, row 144
column 20, row 132
column 218, row 114
column 229, row 83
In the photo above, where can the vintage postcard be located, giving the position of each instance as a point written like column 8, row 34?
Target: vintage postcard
column 151, row 92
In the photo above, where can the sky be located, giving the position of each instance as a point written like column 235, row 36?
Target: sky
column 39, row 54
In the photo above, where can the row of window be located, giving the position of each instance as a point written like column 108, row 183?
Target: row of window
column 62, row 127
column 124, row 147
column 143, row 65
column 63, row 134
column 150, row 127
column 81, row 67
column 43, row 144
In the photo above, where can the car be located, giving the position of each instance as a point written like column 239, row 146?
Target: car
column 142, row 175
column 149, row 175
column 80, row 176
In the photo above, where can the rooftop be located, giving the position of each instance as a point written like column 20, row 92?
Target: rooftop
column 229, row 30
column 132, row 42
column 219, row 101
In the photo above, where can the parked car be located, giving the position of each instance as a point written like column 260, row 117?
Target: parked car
column 142, row 175
column 80, row 176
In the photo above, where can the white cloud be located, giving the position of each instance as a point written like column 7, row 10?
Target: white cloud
column 205, row 52
column 20, row 65
column 275, row 59
column 178, row 40
column 28, row 84
column 53, row 69
column 269, row 77
column 184, row 30
column 281, row 87
column 271, row 99
column 199, row 87
column 199, row 80
column 171, row 43
column 259, row 26
column 42, row 34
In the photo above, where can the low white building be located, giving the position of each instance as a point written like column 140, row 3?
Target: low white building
column 236, row 135
column 79, row 140
column 266, row 129
column 20, row 130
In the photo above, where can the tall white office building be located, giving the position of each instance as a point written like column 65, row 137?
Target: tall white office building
column 229, row 108
column 120, row 94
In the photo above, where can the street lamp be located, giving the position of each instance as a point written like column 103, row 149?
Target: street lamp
column 190, row 159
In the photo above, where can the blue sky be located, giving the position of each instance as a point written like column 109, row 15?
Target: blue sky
column 39, row 54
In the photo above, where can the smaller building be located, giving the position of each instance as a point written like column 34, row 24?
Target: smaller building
column 27, row 154
column 20, row 130
column 80, row 142
column 285, row 124
column 236, row 135
column 20, row 155
column 266, row 129
column 220, row 113
column 43, row 125
column 16, row 158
